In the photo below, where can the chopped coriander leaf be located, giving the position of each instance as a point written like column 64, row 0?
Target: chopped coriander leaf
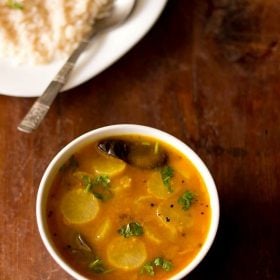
column 164, row 264
column 98, row 196
column 99, row 186
column 167, row 173
column 87, row 183
column 102, row 193
column 97, row 266
column 158, row 261
column 131, row 229
column 148, row 268
column 14, row 5
column 167, row 265
column 186, row 200
column 103, row 180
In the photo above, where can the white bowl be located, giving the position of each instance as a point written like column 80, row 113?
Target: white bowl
column 114, row 130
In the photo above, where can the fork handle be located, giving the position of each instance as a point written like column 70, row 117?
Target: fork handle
column 41, row 106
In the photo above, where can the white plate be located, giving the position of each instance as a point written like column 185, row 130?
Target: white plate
column 30, row 81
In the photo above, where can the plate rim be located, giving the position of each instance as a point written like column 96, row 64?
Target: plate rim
column 160, row 4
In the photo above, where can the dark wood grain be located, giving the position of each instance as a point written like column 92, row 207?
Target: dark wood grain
column 208, row 72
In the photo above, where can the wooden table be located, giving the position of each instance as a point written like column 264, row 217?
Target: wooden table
column 208, row 73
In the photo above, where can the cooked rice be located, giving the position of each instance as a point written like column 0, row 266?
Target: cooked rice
column 40, row 31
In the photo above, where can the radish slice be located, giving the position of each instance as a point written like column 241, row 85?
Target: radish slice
column 79, row 206
column 126, row 253
column 156, row 186
column 103, row 230
column 108, row 165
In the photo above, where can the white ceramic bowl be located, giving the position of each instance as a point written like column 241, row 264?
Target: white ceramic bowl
column 114, row 130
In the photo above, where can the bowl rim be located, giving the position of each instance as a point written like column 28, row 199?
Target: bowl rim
column 115, row 130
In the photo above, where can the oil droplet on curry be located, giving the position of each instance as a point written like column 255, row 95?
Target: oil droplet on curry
column 113, row 219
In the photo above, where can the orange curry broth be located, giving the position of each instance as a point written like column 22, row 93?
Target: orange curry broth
column 178, row 238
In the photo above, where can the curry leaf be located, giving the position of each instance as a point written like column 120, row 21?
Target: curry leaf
column 71, row 164
column 97, row 266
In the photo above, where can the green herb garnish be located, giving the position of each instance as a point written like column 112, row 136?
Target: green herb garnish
column 131, row 229
column 163, row 263
column 104, row 180
column 148, row 268
column 87, row 183
column 97, row 266
column 84, row 251
column 186, row 200
column 82, row 244
column 167, row 173
column 14, row 5
column 99, row 186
